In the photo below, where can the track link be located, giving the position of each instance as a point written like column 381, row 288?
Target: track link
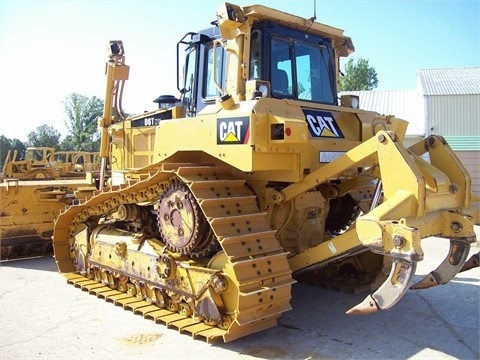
column 252, row 257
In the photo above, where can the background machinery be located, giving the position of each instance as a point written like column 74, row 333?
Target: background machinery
column 33, row 191
column 47, row 163
column 257, row 176
column 37, row 164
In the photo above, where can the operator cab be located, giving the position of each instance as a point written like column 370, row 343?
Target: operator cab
column 196, row 82
column 284, row 63
column 298, row 65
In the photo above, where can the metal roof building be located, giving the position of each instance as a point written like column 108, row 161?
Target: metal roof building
column 452, row 109
column 446, row 102
column 404, row 104
column 450, row 81
column 452, row 105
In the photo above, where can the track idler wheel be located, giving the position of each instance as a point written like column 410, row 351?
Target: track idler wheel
column 450, row 267
column 390, row 291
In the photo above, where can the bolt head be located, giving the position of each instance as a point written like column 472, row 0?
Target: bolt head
column 456, row 226
column 399, row 241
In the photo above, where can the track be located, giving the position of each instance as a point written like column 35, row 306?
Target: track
column 252, row 259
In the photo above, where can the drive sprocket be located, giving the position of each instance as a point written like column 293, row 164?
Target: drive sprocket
column 181, row 222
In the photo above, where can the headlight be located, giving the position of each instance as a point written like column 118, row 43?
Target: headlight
column 258, row 88
column 263, row 88
column 355, row 102
column 351, row 101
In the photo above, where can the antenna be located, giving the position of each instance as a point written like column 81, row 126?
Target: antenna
column 310, row 21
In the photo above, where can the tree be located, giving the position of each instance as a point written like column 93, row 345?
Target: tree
column 5, row 145
column 83, row 114
column 358, row 76
column 67, row 144
column 44, row 135
column 11, row 144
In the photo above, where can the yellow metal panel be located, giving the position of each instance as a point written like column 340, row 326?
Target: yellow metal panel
column 177, row 135
column 141, row 161
column 328, row 249
column 140, row 142
column 120, row 72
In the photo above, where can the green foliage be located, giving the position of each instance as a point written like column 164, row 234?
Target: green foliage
column 67, row 144
column 11, row 144
column 83, row 135
column 44, row 135
column 83, row 114
column 358, row 76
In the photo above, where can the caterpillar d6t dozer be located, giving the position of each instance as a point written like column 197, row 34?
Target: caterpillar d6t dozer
column 255, row 177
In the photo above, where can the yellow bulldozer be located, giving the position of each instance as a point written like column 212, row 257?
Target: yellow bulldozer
column 37, row 164
column 33, row 191
column 76, row 163
column 44, row 162
column 255, row 176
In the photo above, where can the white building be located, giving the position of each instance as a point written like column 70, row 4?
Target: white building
column 446, row 102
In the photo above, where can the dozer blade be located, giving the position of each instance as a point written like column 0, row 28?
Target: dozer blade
column 391, row 290
column 450, row 267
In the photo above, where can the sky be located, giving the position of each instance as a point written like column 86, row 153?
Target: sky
column 52, row 48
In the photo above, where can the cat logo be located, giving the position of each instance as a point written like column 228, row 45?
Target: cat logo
column 322, row 124
column 233, row 130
